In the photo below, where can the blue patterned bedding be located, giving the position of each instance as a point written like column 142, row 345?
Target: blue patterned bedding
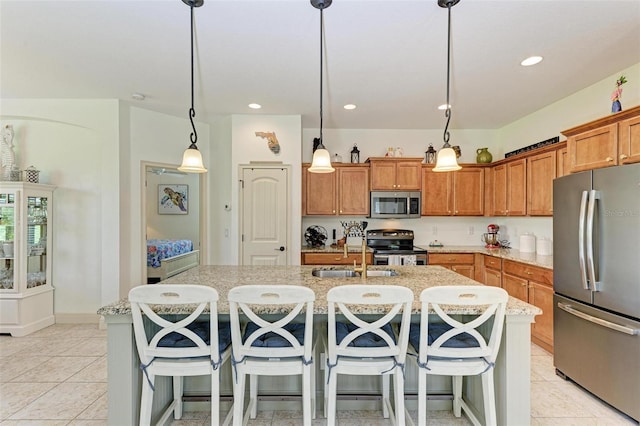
column 163, row 249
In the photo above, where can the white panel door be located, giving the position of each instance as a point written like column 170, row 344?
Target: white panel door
column 265, row 216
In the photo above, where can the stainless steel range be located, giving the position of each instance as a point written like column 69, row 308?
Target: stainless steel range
column 395, row 247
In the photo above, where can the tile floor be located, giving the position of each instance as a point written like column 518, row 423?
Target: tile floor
column 58, row 376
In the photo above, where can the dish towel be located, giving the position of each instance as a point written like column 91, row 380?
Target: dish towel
column 395, row 259
column 409, row 259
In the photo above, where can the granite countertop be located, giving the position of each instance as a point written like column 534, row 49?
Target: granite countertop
column 511, row 254
column 334, row 249
column 224, row 278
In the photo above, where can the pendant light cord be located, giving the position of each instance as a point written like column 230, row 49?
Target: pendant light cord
column 321, row 57
column 447, row 112
column 192, row 111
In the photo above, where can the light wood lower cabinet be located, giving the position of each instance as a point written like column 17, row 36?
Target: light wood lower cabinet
column 534, row 285
column 462, row 263
column 492, row 270
column 334, row 258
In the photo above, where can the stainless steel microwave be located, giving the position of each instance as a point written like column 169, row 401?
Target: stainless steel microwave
column 395, row 204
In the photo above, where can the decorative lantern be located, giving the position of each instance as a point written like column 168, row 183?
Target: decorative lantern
column 430, row 155
column 355, row 154
column 31, row 174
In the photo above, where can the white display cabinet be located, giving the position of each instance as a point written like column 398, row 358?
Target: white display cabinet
column 26, row 291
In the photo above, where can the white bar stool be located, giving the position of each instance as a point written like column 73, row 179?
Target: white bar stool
column 358, row 347
column 273, row 344
column 452, row 347
column 186, row 347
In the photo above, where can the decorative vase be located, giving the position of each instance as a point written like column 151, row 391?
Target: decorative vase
column 484, row 156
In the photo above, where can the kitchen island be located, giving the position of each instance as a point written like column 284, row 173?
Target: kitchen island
column 511, row 371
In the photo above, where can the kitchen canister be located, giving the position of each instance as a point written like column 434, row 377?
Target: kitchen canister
column 31, row 174
column 544, row 246
column 528, row 243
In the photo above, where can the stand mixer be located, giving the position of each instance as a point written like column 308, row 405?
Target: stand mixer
column 490, row 238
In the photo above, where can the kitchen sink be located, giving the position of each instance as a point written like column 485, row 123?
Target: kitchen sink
column 350, row 273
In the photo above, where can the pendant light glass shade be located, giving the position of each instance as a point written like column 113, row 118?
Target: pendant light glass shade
column 321, row 161
column 192, row 158
column 192, row 161
column 447, row 161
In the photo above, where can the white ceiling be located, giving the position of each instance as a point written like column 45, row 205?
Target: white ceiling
column 387, row 57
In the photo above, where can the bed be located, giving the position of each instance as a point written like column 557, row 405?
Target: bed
column 166, row 258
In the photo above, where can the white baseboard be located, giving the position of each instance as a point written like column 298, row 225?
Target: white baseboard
column 78, row 318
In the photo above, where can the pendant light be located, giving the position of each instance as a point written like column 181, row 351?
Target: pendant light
column 192, row 158
column 321, row 159
column 446, row 161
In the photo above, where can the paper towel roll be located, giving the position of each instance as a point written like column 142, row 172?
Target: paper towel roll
column 528, row 243
column 544, row 247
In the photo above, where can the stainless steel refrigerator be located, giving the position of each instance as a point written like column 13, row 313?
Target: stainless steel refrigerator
column 596, row 279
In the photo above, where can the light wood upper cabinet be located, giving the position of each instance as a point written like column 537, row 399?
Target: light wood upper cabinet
column 389, row 174
column 343, row 192
column 541, row 171
column 629, row 141
column 319, row 193
column 593, row 149
column 562, row 162
column 510, row 188
column 353, row 190
column 608, row 141
column 459, row 193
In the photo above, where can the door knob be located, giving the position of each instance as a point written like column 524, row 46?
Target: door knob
column 280, row 249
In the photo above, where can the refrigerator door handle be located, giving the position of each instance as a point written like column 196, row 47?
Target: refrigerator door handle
column 581, row 244
column 599, row 321
column 591, row 269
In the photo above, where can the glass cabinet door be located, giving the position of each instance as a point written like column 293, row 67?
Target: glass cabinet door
column 36, row 241
column 7, row 234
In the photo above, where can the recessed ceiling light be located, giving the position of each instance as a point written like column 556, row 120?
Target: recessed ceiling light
column 137, row 96
column 350, row 106
column 531, row 60
column 443, row 107
column 255, row 106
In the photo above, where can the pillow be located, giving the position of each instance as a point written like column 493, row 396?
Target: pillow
column 464, row 340
column 366, row 340
column 272, row 339
column 202, row 330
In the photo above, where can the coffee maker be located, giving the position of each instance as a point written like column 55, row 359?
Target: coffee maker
column 490, row 238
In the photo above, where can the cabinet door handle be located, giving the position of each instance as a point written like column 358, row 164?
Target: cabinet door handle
column 528, row 272
column 609, row 159
column 337, row 258
column 623, row 156
column 524, row 284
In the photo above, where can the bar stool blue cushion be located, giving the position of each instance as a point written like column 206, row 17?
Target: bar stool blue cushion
column 366, row 340
column 272, row 339
column 464, row 340
column 201, row 329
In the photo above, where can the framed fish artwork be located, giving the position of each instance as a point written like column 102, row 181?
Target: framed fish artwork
column 173, row 199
